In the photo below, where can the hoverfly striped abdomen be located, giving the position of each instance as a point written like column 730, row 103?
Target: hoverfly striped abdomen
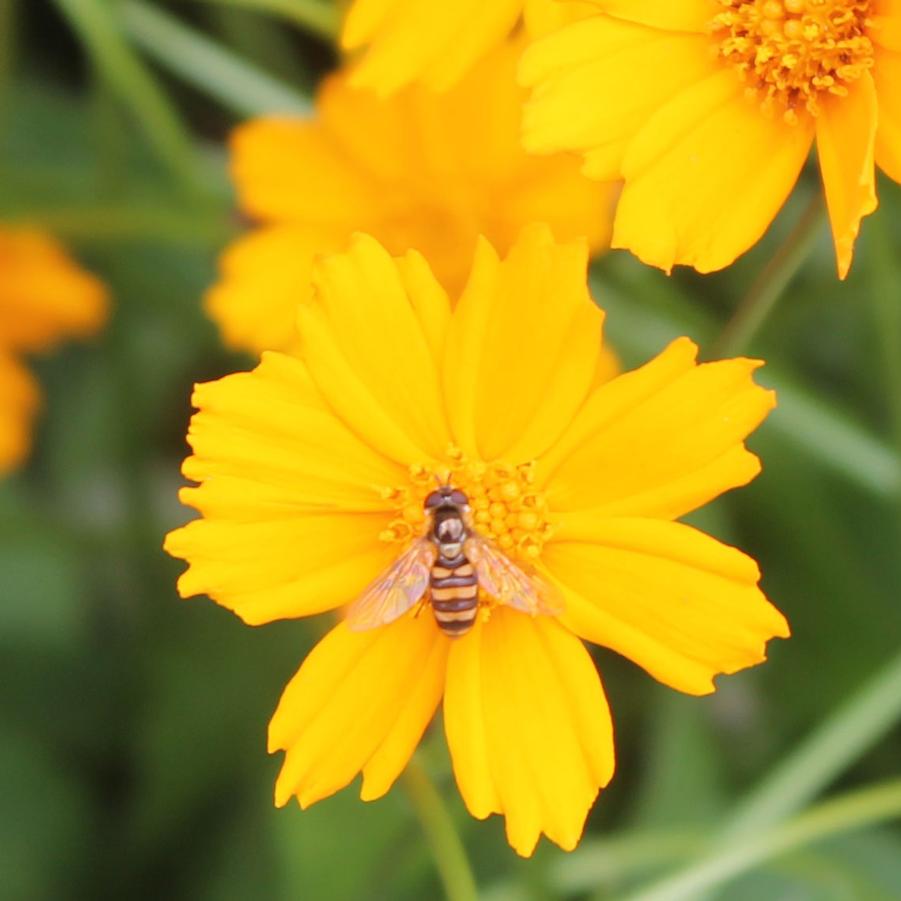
column 454, row 593
column 450, row 564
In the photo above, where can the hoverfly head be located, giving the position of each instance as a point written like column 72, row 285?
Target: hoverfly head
column 446, row 496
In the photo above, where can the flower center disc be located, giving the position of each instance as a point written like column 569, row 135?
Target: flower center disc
column 505, row 506
column 791, row 52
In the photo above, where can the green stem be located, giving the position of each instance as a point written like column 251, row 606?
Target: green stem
column 316, row 16
column 856, row 726
column 854, row 810
column 238, row 85
column 756, row 306
column 447, row 849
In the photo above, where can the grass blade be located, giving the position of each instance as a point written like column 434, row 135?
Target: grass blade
column 97, row 25
column 850, row 731
column 865, row 807
column 239, row 86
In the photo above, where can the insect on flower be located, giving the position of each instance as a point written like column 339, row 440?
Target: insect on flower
column 460, row 449
column 451, row 562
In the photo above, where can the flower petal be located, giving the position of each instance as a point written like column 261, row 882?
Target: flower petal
column 360, row 702
column 280, row 568
column 265, row 276
column 566, row 68
column 686, row 15
column 542, row 17
column 659, row 441
column 675, row 601
column 374, row 136
column 706, row 176
column 846, row 142
column 290, row 498
column 434, row 42
column 290, row 170
column 273, row 428
column 369, row 353
column 19, row 401
column 419, row 171
column 885, row 25
column 561, row 197
column 44, row 294
column 518, row 367
column 528, row 727
column 887, row 75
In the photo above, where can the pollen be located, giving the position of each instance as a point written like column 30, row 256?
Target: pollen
column 793, row 53
column 504, row 505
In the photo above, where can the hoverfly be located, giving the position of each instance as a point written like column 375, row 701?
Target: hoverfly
column 451, row 561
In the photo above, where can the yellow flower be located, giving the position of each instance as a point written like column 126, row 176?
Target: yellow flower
column 19, row 401
column 44, row 296
column 312, row 471
column 416, row 171
column 436, row 43
column 708, row 110
column 427, row 40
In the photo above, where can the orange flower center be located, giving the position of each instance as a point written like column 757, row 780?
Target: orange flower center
column 505, row 506
column 792, row 52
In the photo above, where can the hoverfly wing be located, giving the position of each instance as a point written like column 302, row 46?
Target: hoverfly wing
column 515, row 586
column 396, row 590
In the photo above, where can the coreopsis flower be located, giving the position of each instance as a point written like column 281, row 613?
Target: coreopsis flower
column 419, row 170
column 44, row 297
column 19, row 401
column 317, row 472
column 708, row 110
column 436, row 43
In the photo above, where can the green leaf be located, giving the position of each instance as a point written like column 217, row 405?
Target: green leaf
column 96, row 24
column 238, row 85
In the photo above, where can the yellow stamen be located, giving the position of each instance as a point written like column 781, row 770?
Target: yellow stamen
column 505, row 506
column 792, row 52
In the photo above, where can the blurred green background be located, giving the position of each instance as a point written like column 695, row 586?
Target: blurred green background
column 132, row 724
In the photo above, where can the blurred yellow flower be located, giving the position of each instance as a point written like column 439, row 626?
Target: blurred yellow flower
column 708, row 110
column 417, row 171
column 44, row 297
column 312, row 471
column 436, row 43
column 19, row 400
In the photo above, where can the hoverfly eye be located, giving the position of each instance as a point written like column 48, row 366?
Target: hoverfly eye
column 433, row 500
column 459, row 498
